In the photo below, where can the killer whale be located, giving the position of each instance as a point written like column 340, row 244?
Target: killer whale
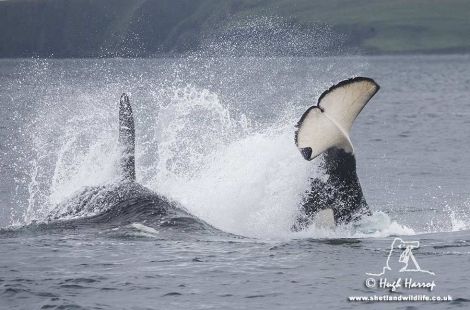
column 123, row 201
column 324, row 130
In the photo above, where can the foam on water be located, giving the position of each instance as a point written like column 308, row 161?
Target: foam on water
column 459, row 217
column 143, row 230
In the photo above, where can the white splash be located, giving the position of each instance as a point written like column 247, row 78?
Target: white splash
column 459, row 217
column 193, row 145
column 239, row 176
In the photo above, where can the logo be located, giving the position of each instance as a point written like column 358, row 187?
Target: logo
column 406, row 258
column 401, row 270
column 402, row 278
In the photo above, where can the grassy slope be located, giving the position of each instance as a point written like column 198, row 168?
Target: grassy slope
column 74, row 28
column 391, row 26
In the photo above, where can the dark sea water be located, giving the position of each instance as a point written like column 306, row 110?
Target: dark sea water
column 215, row 135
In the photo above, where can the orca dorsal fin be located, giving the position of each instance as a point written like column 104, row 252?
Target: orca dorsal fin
column 126, row 139
column 328, row 123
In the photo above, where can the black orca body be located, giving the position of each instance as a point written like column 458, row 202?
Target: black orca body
column 324, row 130
column 125, row 201
column 341, row 192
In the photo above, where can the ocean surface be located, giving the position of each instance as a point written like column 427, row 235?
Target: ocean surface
column 216, row 135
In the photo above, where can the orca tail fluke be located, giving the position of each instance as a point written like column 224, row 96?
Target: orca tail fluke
column 126, row 139
column 328, row 123
column 324, row 129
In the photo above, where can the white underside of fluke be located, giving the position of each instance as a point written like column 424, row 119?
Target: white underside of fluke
column 329, row 123
column 325, row 219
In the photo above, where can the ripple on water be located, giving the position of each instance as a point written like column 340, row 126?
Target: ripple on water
column 172, row 294
column 80, row 280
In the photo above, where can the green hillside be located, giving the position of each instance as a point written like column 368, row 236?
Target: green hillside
column 390, row 26
column 142, row 28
